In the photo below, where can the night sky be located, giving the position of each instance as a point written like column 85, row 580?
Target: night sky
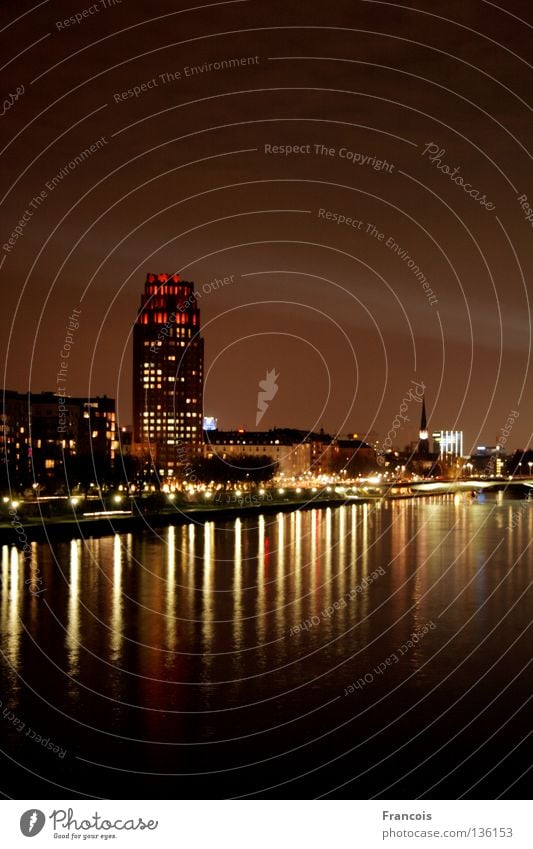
column 185, row 179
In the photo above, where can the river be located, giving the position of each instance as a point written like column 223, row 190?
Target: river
column 367, row 650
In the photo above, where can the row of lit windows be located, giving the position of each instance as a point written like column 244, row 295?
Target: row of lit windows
column 164, row 278
column 158, row 378
column 170, row 422
column 171, row 429
column 149, row 368
column 174, row 336
column 179, row 378
column 162, row 318
column 151, row 431
column 158, row 299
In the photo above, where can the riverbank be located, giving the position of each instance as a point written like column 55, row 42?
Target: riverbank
column 60, row 528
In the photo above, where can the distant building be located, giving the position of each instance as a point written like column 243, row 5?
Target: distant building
column 292, row 452
column 489, row 451
column 295, row 452
column 488, row 460
column 168, row 362
column 351, row 456
column 448, row 444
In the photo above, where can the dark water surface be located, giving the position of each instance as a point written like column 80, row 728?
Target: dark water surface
column 215, row 660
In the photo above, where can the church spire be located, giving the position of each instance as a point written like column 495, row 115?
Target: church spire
column 423, row 445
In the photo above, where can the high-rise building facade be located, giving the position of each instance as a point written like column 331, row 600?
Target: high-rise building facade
column 42, row 431
column 448, row 443
column 63, row 427
column 15, row 449
column 168, row 355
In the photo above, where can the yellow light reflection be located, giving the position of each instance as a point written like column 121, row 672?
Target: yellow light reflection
column 171, row 589
column 328, row 557
column 14, row 622
column 260, row 609
column 208, row 598
column 296, row 528
column 4, row 589
column 237, row 587
column 312, row 557
column 73, row 613
column 281, row 613
column 353, row 545
column 341, row 554
column 116, row 608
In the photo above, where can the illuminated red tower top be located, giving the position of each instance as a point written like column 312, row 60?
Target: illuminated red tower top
column 165, row 295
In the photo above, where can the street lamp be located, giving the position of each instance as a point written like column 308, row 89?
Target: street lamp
column 530, row 463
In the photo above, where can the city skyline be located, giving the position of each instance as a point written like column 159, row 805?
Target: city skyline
column 337, row 268
column 190, row 304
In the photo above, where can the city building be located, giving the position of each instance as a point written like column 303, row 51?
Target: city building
column 14, row 438
column 294, row 452
column 487, row 460
column 67, row 427
column 168, row 354
column 448, row 444
column 350, row 456
column 40, row 431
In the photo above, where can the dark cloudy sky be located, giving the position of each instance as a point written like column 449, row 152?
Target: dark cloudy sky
column 182, row 183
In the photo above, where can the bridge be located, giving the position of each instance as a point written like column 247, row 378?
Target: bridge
column 439, row 487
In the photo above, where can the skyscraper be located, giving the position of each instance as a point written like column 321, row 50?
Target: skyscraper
column 168, row 354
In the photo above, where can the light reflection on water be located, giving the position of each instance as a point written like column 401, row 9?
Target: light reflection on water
column 275, row 572
column 13, row 622
column 209, row 617
column 73, row 617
